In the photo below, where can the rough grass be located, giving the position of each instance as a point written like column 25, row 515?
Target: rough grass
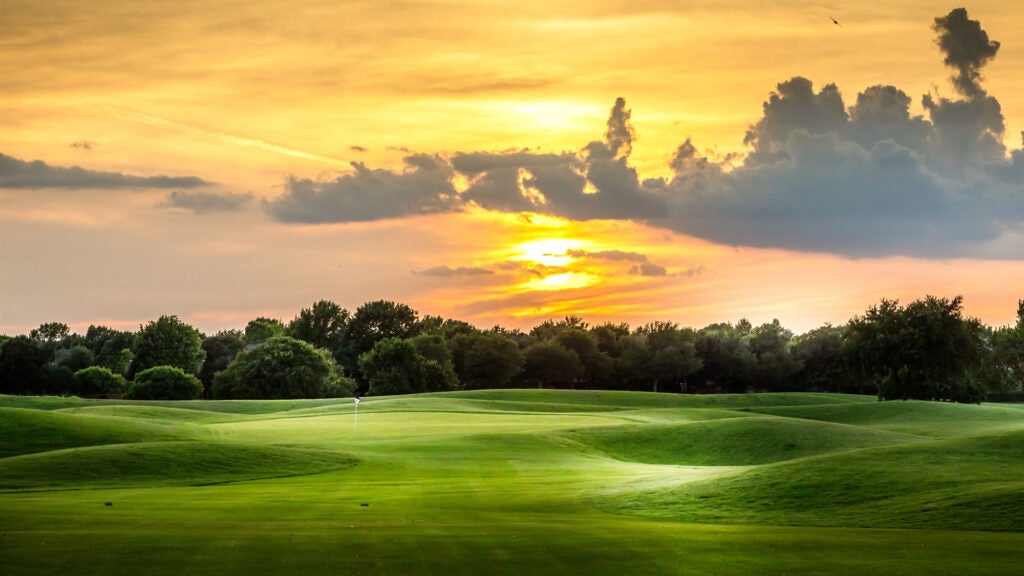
column 512, row 482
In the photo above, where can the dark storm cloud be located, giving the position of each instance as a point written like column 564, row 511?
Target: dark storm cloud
column 865, row 178
column 207, row 202
column 870, row 180
column 425, row 187
column 15, row 173
column 967, row 48
column 446, row 272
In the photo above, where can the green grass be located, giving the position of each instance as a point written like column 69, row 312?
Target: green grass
column 511, row 482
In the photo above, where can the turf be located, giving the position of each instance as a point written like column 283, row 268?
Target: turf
column 512, row 482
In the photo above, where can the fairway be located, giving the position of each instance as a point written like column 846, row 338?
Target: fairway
column 512, row 482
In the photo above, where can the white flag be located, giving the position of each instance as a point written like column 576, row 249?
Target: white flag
column 356, row 399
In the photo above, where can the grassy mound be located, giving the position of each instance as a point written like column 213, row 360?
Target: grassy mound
column 960, row 483
column 730, row 442
column 934, row 419
column 24, row 431
column 162, row 463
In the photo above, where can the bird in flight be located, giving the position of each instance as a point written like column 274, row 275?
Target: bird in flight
column 836, row 22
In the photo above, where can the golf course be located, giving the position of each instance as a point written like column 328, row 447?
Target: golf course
column 512, row 482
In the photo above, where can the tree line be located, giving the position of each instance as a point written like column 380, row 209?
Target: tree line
column 924, row 350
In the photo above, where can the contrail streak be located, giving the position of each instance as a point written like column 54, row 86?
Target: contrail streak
column 152, row 120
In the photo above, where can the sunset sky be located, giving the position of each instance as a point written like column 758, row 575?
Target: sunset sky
column 507, row 163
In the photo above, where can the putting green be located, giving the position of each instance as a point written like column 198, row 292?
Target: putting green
column 512, row 482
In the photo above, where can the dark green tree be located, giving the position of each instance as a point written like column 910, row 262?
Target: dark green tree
column 609, row 338
column 98, row 381
column 822, row 363
column 672, row 355
column 75, row 358
column 632, row 365
column 486, row 360
column 776, row 366
column 259, row 329
column 164, row 383
column 282, row 367
column 728, row 363
column 1007, row 345
column 56, row 379
column 168, row 342
column 548, row 363
column 924, row 351
column 394, row 366
column 221, row 349
column 322, row 325
column 51, row 332
column 597, row 366
column 372, row 322
column 21, row 360
column 97, row 336
column 116, row 352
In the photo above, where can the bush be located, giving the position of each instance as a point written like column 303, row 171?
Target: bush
column 164, row 383
column 96, row 380
column 282, row 367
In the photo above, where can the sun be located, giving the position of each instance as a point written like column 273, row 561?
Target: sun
column 552, row 252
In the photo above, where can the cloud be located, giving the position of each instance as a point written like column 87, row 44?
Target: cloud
column 15, row 173
column 425, row 187
column 83, row 144
column 648, row 269
column 871, row 180
column 608, row 255
column 967, row 48
column 446, row 272
column 864, row 179
column 207, row 202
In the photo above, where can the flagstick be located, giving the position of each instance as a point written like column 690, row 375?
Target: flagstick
column 355, row 418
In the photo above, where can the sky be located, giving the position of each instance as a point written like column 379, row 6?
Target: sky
column 508, row 163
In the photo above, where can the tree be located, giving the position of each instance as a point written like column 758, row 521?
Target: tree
column 282, row 367
column 372, row 322
column 631, row 366
column 221, row 349
column 164, row 383
column 21, row 359
column 775, row 365
column 1007, row 345
column 597, row 367
column 672, row 354
column 115, row 352
column 50, row 332
column 728, row 362
column 434, row 347
column 260, row 329
column 168, row 342
column 548, row 363
column 76, row 358
column 98, row 380
column 322, row 325
column 609, row 338
column 924, row 351
column 394, row 366
column 486, row 360
column 823, row 366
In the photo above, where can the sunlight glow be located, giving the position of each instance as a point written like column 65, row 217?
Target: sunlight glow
column 548, row 252
column 563, row 281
